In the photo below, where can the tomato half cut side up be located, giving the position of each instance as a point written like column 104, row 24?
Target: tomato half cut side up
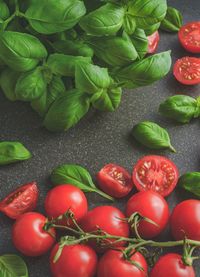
column 20, row 201
column 155, row 173
column 187, row 70
column 153, row 41
column 189, row 36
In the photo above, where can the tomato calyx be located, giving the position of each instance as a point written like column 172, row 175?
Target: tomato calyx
column 187, row 256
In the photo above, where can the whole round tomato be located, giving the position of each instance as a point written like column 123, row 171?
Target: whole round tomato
column 29, row 237
column 64, row 197
column 171, row 265
column 20, row 201
column 156, row 173
column 153, row 41
column 113, row 264
column 108, row 219
column 75, row 261
column 153, row 206
column 189, row 36
column 185, row 220
column 115, row 180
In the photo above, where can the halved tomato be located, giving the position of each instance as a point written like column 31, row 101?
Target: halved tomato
column 153, row 41
column 155, row 173
column 189, row 36
column 20, row 201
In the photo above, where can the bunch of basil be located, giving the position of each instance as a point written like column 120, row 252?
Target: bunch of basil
column 65, row 56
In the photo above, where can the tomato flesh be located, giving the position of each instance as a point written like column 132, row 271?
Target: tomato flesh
column 20, row 201
column 189, row 36
column 115, row 180
column 155, row 173
column 153, row 41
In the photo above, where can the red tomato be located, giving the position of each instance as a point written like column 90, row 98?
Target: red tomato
column 75, row 261
column 112, row 264
column 155, row 173
column 64, row 197
column 114, row 180
column 153, row 41
column 189, row 36
column 171, row 265
column 20, row 201
column 185, row 220
column 187, row 70
column 153, row 206
column 29, row 237
column 106, row 218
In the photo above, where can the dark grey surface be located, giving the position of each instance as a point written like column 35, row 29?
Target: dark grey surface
column 99, row 139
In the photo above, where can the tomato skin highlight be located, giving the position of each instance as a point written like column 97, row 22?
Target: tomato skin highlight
column 29, row 237
column 189, row 37
column 114, row 180
column 155, row 173
column 112, row 264
column 75, row 261
column 22, row 200
column 185, row 220
column 153, row 41
column 153, row 206
column 171, row 265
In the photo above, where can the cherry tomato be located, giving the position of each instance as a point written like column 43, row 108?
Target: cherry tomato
column 155, row 173
column 153, row 41
column 29, row 237
column 108, row 219
column 153, row 206
column 75, row 261
column 113, row 264
column 187, row 70
column 171, row 265
column 20, row 201
column 189, row 36
column 64, row 197
column 115, row 180
column 185, row 220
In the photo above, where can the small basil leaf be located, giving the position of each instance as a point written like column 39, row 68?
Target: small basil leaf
column 152, row 29
column 4, row 10
column 12, row 151
column 105, row 21
column 181, row 108
column 172, row 21
column 66, row 111
column 129, row 24
column 12, row 266
column 8, row 80
column 190, row 182
column 152, row 135
column 140, row 42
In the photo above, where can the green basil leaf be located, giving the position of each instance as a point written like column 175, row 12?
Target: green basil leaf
column 64, row 65
column 172, row 21
column 105, row 21
column 144, row 72
column 31, row 85
column 181, row 108
column 91, row 78
column 140, row 42
column 129, row 24
column 152, row 29
column 152, row 135
column 8, row 80
column 20, row 51
column 66, row 111
column 12, row 266
column 13, row 151
column 50, row 16
column 190, row 182
column 4, row 10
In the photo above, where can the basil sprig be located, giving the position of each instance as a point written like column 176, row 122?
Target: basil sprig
column 172, row 21
column 12, row 266
column 152, row 135
column 190, row 182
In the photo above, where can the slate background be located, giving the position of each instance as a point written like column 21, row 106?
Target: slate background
column 100, row 138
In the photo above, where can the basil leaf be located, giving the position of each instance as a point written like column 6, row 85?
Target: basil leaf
column 4, row 11
column 105, row 21
column 13, row 151
column 8, row 80
column 91, row 78
column 144, row 72
column 64, row 65
column 190, row 182
column 152, row 135
column 12, row 266
column 140, row 42
column 66, row 111
column 75, row 175
column 129, row 24
column 152, row 29
column 50, row 16
column 20, row 51
column 172, row 21
column 181, row 108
